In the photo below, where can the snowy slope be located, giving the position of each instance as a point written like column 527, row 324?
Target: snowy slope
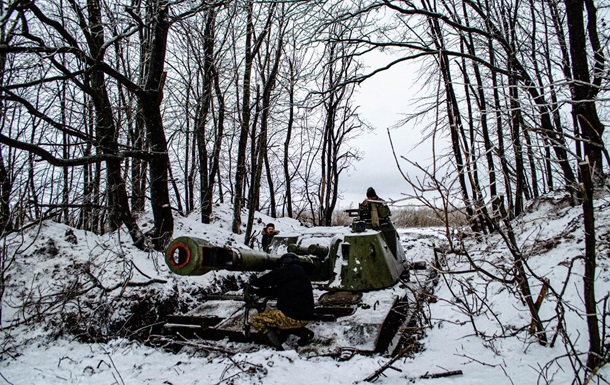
column 67, row 297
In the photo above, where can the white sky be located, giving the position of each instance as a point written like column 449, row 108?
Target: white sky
column 382, row 100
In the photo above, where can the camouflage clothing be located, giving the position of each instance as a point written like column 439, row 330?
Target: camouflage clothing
column 275, row 319
column 373, row 210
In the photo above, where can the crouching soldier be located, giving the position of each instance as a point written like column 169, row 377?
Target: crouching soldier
column 295, row 305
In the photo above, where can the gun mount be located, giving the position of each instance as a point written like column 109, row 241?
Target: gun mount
column 359, row 273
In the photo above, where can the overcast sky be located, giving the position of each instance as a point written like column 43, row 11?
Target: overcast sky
column 382, row 100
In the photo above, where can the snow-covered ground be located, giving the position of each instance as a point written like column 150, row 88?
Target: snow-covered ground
column 67, row 292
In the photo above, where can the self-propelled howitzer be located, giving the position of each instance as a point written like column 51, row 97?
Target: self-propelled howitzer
column 359, row 273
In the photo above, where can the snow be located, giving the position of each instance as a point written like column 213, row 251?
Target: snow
column 484, row 334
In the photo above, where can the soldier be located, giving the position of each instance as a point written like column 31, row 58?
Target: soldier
column 268, row 233
column 295, row 304
column 373, row 208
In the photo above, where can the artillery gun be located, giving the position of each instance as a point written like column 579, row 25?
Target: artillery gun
column 359, row 273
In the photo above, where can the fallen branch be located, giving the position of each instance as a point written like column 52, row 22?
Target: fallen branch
column 443, row 374
column 126, row 283
column 388, row 365
column 160, row 339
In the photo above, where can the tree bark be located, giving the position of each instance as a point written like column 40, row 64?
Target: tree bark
column 202, row 115
column 151, row 98
column 286, row 162
column 455, row 123
column 6, row 182
column 240, row 173
column 106, row 134
column 584, row 89
column 268, row 88
column 594, row 358
column 251, row 50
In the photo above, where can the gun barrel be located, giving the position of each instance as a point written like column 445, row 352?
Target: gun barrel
column 194, row 256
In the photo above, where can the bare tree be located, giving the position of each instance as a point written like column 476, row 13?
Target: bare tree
column 93, row 84
column 206, row 178
column 340, row 121
column 268, row 69
column 595, row 355
column 585, row 89
column 80, row 57
column 6, row 179
column 252, row 47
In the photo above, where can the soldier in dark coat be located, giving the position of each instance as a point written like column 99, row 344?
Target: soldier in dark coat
column 268, row 233
column 295, row 303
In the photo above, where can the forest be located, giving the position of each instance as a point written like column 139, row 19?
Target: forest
column 110, row 109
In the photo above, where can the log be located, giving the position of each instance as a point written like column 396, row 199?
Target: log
column 443, row 374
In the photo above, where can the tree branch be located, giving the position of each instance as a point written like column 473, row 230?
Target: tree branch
column 61, row 162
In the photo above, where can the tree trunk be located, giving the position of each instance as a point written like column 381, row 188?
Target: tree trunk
column 240, row 172
column 270, row 183
column 151, row 102
column 515, row 126
column 340, row 120
column 594, row 358
column 214, row 171
column 6, row 186
column 455, row 123
column 584, row 90
column 106, row 135
column 470, row 147
column 268, row 88
column 6, row 182
column 501, row 151
column 138, row 166
column 204, row 105
column 191, row 149
column 286, row 162
column 87, row 214
column 532, row 161
column 251, row 50
column 482, row 100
